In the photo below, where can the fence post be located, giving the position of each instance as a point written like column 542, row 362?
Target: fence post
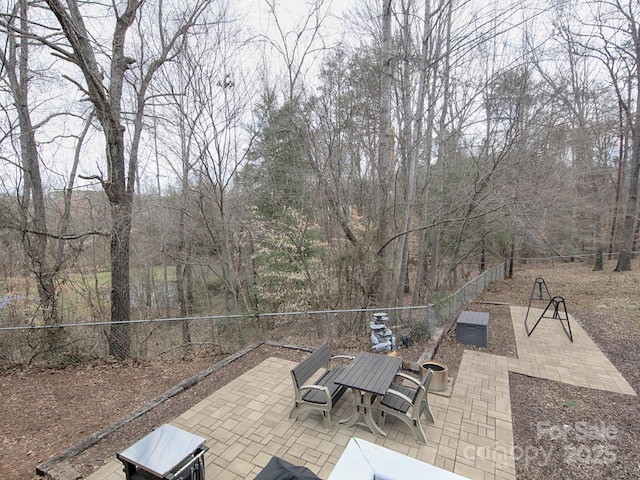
column 328, row 315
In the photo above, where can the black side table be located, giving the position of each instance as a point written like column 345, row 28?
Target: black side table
column 167, row 453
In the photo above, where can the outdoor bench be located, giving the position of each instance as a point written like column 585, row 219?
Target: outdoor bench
column 321, row 393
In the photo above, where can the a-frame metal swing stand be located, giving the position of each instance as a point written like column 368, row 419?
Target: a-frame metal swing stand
column 541, row 292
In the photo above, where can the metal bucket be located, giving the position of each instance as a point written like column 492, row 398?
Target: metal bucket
column 440, row 375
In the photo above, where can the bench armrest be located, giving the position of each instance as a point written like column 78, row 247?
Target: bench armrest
column 398, row 394
column 317, row 388
column 330, row 364
column 345, row 357
column 320, row 388
column 411, row 379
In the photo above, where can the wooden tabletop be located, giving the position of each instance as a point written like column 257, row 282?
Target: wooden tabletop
column 370, row 372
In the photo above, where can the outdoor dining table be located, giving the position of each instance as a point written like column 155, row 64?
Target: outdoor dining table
column 369, row 375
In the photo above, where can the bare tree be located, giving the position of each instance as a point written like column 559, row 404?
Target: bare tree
column 211, row 101
column 341, row 125
column 612, row 34
column 412, row 131
column 44, row 242
column 626, row 54
column 298, row 46
column 35, row 233
column 585, row 105
column 384, row 162
column 15, row 62
column 108, row 99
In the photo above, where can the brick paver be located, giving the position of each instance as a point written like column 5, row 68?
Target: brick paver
column 548, row 353
column 247, row 421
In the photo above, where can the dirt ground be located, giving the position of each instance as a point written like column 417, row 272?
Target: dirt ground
column 560, row 431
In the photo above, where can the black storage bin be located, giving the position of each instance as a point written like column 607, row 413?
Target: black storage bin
column 472, row 328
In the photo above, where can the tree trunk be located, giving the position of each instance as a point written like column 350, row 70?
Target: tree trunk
column 35, row 235
column 187, row 302
column 120, row 334
column 385, row 157
column 598, row 265
column 183, row 268
column 423, row 271
column 598, row 260
column 413, row 138
column 512, row 255
column 632, row 111
column 629, row 226
column 440, row 160
column 622, row 155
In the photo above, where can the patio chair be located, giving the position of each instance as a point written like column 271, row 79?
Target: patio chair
column 407, row 403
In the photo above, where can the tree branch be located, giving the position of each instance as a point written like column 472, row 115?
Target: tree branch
column 441, row 222
column 71, row 236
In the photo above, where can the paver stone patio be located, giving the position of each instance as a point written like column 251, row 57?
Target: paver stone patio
column 246, row 421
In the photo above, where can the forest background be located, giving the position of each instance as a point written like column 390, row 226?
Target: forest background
column 170, row 160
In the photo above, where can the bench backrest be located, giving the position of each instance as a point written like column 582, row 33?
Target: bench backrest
column 419, row 400
column 424, row 384
column 320, row 357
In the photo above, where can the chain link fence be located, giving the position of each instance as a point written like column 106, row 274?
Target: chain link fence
column 176, row 337
column 551, row 261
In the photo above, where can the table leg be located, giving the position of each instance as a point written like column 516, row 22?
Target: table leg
column 368, row 415
column 363, row 402
column 357, row 402
column 129, row 469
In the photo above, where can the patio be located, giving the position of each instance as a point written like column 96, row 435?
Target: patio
column 247, row 421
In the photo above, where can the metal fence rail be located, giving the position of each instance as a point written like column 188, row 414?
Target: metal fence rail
column 555, row 260
column 229, row 333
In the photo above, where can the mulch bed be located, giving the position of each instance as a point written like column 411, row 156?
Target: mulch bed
column 563, row 431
